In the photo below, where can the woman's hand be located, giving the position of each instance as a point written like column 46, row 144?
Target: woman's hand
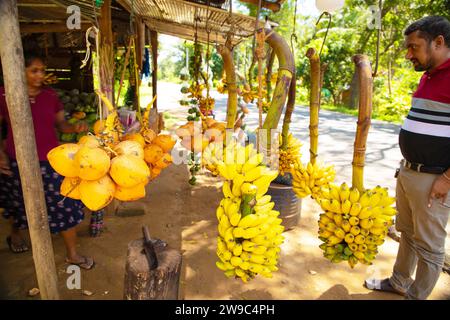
column 4, row 164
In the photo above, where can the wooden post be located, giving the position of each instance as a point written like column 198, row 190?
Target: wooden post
column 154, row 46
column 107, row 68
column 106, row 51
column 140, row 42
column 11, row 53
column 141, row 283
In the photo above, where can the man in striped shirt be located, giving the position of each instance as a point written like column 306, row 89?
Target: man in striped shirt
column 423, row 183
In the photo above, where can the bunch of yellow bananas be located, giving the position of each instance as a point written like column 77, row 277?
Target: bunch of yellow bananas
column 50, row 78
column 354, row 224
column 310, row 180
column 222, row 86
column 196, row 91
column 289, row 156
column 212, row 156
column 249, row 228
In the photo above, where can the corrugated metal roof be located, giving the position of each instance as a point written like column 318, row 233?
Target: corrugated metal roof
column 186, row 18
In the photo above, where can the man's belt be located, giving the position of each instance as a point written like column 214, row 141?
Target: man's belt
column 422, row 168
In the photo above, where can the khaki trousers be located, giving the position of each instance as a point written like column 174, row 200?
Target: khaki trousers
column 423, row 234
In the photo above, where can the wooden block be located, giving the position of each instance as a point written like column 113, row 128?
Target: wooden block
column 141, row 283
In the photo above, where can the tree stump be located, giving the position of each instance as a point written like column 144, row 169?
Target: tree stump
column 141, row 283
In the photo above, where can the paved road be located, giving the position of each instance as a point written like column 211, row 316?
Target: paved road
column 336, row 138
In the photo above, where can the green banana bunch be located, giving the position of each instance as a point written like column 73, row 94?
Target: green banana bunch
column 290, row 155
column 309, row 180
column 353, row 224
column 250, row 232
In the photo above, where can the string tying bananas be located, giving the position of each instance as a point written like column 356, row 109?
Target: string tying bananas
column 249, row 229
column 310, row 180
column 353, row 224
column 290, row 155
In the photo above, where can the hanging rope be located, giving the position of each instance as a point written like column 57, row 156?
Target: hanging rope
column 125, row 65
column 326, row 32
column 293, row 35
column 378, row 41
column 207, row 57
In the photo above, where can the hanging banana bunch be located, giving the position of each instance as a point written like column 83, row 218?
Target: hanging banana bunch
column 249, row 229
column 290, row 155
column 309, row 179
column 356, row 220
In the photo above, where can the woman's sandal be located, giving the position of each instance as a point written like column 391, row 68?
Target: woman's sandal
column 86, row 263
column 17, row 248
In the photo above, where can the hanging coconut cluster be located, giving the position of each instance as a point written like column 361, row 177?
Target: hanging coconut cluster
column 196, row 136
column 107, row 165
column 249, row 229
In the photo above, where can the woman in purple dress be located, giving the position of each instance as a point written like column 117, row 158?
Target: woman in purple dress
column 48, row 117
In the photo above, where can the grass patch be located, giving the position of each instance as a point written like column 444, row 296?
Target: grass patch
column 376, row 115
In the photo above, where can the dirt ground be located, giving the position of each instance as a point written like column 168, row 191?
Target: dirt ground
column 184, row 217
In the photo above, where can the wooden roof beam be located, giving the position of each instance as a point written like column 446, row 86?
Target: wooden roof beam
column 49, row 27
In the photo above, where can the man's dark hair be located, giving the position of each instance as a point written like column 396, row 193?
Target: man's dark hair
column 430, row 28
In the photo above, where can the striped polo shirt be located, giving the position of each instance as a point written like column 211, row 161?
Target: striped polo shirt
column 425, row 134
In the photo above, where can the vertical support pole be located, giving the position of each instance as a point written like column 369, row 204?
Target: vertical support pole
column 107, row 67
column 27, row 158
column 140, row 42
column 106, row 52
column 154, row 45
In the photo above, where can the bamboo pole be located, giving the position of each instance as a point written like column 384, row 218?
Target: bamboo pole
column 288, row 114
column 365, row 80
column 230, row 74
column 270, row 61
column 314, row 103
column 23, row 133
column 285, row 73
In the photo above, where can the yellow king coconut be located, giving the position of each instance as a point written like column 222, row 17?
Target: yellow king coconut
column 89, row 141
column 70, row 188
column 62, row 159
column 97, row 194
column 152, row 153
column 93, row 163
column 130, row 194
column 129, row 147
column 128, row 171
column 165, row 141
column 135, row 137
column 164, row 162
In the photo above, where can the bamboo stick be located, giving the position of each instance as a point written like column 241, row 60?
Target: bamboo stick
column 285, row 73
column 314, row 103
column 270, row 61
column 230, row 73
column 23, row 133
column 365, row 80
column 288, row 114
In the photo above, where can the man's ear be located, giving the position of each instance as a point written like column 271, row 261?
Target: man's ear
column 439, row 41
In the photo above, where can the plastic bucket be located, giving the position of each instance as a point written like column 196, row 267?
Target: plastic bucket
column 287, row 203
